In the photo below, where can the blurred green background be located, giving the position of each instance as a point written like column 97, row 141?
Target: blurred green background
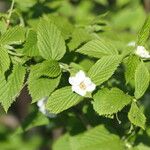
column 124, row 17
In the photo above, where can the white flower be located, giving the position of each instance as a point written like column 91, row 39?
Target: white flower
column 41, row 104
column 81, row 84
column 142, row 52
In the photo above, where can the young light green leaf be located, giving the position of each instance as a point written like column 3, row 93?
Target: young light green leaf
column 98, row 48
column 144, row 32
column 50, row 41
column 30, row 46
column 127, row 18
column 104, row 68
column 131, row 64
column 3, row 26
column 102, row 2
column 110, row 101
column 15, row 35
column 42, row 87
column 10, row 89
column 122, row 3
column 63, row 143
column 4, row 60
column 49, row 68
column 98, row 138
column 142, row 79
column 136, row 116
column 39, row 86
column 62, row 99
column 25, row 5
column 79, row 36
column 62, row 23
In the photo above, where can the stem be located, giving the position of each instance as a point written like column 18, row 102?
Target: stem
column 131, row 129
column 131, row 133
column 10, row 12
column 22, row 23
column 119, row 121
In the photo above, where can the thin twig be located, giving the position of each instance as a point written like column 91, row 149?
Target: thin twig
column 119, row 121
column 10, row 12
column 22, row 22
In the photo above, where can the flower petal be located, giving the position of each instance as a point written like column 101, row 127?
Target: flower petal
column 42, row 110
column 78, row 90
column 41, row 102
column 87, row 81
column 91, row 87
column 73, row 81
column 80, row 76
column 142, row 52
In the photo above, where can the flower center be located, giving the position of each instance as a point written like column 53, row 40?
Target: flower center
column 82, row 85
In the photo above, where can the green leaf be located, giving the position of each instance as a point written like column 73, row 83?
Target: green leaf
column 102, row 2
column 3, row 25
column 142, row 79
column 15, row 35
column 33, row 119
column 131, row 64
column 79, row 36
column 98, row 48
column 128, row 19
column 136, row 116
column 63, row 143
column 141, row 146
column 126, row 50
column 25, row 5
column 39, row 86
column 110, row 101
column 30, row 47
column 4, row 60
column 62, row 23
column 144, row 32
column 10, row 89
column 104, row 68
column 49, row 68
column 62, row 99
column 50, row 41
column 121, row 3
column 42, row 87
column 98, row 138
